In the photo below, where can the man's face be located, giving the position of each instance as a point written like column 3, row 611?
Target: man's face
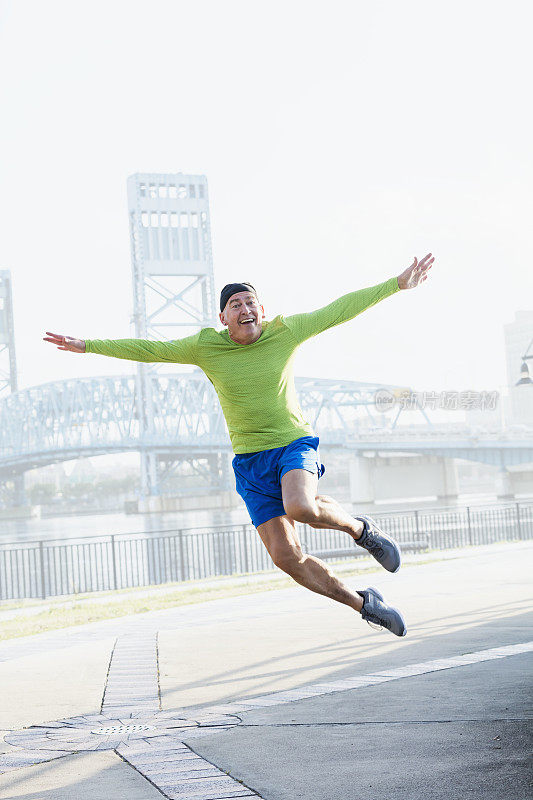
column 243, row 316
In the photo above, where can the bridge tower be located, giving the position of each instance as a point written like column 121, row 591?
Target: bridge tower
column 8, row 364
column 8, row 361
column 173, row 282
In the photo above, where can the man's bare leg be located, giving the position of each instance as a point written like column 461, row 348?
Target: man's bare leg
column 283, row 544
column 302, row 503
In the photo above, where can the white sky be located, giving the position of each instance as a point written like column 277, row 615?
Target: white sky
column 339, row 140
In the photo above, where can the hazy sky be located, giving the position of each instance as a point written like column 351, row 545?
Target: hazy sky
column 339, row 139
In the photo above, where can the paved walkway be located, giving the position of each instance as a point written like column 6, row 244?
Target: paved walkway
column 284, row 694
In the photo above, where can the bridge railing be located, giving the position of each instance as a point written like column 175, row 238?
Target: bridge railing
column 51, row 568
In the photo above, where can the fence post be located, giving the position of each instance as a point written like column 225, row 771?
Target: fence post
column 114, row 559
column 182, row 555
column 518, row 521
column 417, row 524
column 245, row 548
column 43, row 577
column 469, row 525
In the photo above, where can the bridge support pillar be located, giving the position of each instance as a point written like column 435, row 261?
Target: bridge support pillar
column 388, row 478
column 222, row 477
column 19, row 495
column 228, row 476
column 149, row 475
column 504, row 485
column 449, row 488
column 361, row 472
column 521, row 480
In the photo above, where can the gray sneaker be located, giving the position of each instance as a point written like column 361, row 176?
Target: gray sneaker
column 379, row 544
column 376, row 612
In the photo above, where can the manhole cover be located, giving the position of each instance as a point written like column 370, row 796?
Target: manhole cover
column 120, row 730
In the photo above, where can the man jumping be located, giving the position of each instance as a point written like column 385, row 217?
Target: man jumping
column 276, row 463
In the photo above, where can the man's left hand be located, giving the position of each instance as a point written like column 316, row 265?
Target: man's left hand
column 416, row 273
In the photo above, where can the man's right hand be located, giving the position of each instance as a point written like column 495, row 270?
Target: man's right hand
column 65, row 342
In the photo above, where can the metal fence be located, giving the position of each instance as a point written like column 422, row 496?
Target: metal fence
column 58, row 567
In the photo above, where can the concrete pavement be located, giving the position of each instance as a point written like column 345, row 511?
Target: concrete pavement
column 461, row 732
column 432, row 725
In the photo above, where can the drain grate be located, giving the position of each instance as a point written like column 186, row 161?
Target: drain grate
column 121, row 730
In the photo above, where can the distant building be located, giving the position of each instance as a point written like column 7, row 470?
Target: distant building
column 83, row 471
column 518, row 337
column 52, row 473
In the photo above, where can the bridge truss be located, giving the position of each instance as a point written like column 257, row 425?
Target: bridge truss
column 85, row 417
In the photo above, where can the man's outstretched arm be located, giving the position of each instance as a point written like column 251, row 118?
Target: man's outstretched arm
column 181, row 351
column 65, row 342
column 416, row 273
column 345, row 308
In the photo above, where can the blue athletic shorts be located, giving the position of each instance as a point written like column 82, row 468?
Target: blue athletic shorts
column 258, row 475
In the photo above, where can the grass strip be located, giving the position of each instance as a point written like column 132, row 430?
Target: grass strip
column 81, row 611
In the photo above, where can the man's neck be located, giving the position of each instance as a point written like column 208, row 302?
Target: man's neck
column 252, row 342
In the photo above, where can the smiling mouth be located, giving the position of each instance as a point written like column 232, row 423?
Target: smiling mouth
column 247, row 322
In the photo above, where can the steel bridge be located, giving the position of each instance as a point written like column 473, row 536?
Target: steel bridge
column 83, row 417
column 175, row 419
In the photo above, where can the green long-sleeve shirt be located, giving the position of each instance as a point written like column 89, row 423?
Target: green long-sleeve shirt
column 254, row 382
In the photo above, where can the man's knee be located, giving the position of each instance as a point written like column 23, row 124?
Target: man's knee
column 324, row 498
column 303, row 510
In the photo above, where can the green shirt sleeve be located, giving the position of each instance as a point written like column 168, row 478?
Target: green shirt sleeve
column 181, row 351
column 303, row 326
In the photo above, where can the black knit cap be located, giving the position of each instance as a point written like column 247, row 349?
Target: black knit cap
column 233, row 288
